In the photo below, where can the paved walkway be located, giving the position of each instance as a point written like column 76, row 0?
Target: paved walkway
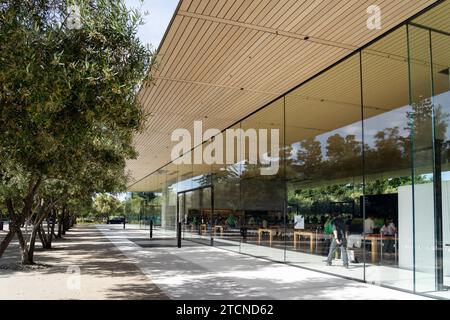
column 203, row 272
column 106, row 273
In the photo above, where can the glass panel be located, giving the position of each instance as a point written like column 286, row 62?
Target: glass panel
column 185, row 172
column 168, row 219
column 441, row 81
column 163, row 182
column 421, row 126
column 324, row 171
column 197, row 218
column 135, row 208
column 165, row 198
column 262, row 185
column 155, row 204
column 201, row 173
column 387, row 164
column 227, row 214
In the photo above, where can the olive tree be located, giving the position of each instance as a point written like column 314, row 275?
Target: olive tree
column 69, row 106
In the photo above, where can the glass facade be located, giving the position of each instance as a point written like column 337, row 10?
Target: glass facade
column 367, row 139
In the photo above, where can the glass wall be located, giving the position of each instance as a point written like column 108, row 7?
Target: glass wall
column 388, row 208
column 441, row 62
column 262, row 184
column 363, row 147
column 324, row 168
column 226, row 180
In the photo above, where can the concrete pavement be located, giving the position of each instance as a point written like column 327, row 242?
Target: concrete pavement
column 82, row 265
column 202, row 272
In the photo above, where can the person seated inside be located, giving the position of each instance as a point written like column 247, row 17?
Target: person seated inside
column 389, row 230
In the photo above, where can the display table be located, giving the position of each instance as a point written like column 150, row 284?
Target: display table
column 374, row 239
column 220, row 228
column 269, row 231
column 310, row 234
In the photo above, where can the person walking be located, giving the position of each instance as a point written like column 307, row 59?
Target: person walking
column 328, row 232
column 338, row 240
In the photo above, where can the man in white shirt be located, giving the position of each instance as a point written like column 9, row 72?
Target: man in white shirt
column 369, row 225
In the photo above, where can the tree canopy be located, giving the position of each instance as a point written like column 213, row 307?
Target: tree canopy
column 69, row 104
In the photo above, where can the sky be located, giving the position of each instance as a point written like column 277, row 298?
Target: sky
column 156, row 22
column 160, row 13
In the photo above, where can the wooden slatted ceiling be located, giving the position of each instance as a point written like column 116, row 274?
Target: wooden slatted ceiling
column 221, row 60
column 437, row 18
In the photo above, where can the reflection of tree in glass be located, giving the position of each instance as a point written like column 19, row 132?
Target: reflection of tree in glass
column 420, row 126
column 260, row 192
column 317, row 200
column 390, row 152
column 226, row 187
column 309, row 156
column 340, row 149
column 389, row 155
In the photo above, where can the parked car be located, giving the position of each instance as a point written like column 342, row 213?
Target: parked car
column 115, row 220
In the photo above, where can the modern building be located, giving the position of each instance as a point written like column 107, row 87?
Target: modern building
column 359, row 94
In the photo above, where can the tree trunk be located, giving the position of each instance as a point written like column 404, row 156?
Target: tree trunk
column 52, row 230
column 42, row 237
column 33, row 243
column 6, row 241
column 66, row 224
column 37, row 227
column 16, row 221
column 46, row 244
column 60, row 223
column 59, row 229
column 63, row 221
column 24, row 248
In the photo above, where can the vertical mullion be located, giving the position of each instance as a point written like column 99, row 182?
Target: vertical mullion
column 408, row 42
column 363, row 204
column 437, row 185
column 284, row 178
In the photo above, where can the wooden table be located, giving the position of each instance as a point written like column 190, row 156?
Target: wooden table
column 374, row 244
column 270, row 231
column 203, row 228
column 215, row 228
column 310, row 234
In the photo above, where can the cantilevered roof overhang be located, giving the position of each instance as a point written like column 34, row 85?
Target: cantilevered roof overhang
column 220, row 61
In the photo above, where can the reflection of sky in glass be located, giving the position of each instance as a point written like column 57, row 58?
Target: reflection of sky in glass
column 183, row 185
column 391, row 119
column 443, row 100
column 190, row 183
column 445, row 176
